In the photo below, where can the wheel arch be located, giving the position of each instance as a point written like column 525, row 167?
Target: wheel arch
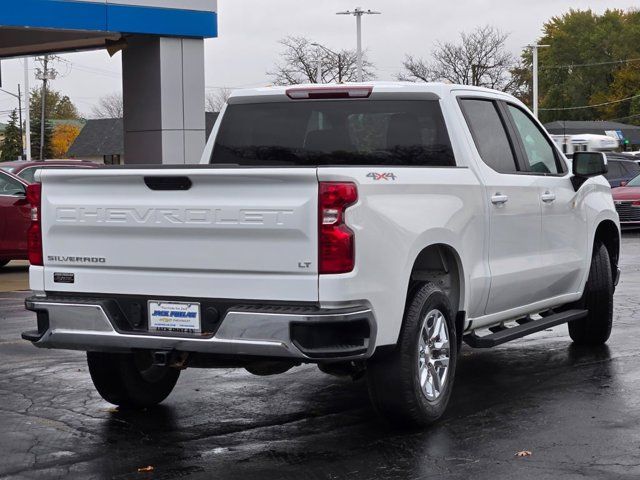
column 440, row 264
column 607, row 232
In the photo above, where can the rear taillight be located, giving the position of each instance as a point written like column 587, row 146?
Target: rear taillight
column 34, row 234
column 336, row 250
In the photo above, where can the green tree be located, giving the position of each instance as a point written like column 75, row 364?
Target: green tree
column 58, row 106
column 11, row 146
column 591, row 60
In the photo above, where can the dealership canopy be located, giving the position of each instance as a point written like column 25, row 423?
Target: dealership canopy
column 29, row 27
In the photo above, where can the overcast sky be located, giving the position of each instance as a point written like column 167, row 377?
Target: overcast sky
column 249, row 31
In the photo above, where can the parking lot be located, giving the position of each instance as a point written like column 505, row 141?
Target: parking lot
column 14, row 277
column 577, row 412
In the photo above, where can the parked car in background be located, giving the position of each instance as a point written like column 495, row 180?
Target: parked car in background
column 14, row 218
column 27, row 169
column 622, row 168
column 627, row 201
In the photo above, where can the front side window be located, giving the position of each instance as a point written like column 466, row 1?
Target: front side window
column 489, row 134
column 10, row 186
column 341, row 133
column 540, row 155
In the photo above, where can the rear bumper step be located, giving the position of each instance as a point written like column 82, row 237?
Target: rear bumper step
column 285, row 332
column 524, row 328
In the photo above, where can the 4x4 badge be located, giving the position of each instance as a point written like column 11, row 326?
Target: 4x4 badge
column 382, row 176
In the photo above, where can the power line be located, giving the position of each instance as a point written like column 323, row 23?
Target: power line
column 591, row 106
column 622, row 118
column 579, row 65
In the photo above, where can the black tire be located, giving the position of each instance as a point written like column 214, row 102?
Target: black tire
column 4, row 263
column 393, row 380
column 129, row 380
column 595, row 329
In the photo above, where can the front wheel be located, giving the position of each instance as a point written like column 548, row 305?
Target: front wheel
column 595, row 328
column 412, row 385
column 130, row 380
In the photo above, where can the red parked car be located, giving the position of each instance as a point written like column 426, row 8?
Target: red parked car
column 627, row 201
column 14, row 208
column 14, row 218
column 27, row 170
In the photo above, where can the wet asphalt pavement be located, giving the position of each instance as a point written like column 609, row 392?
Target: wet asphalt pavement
column 577, row 411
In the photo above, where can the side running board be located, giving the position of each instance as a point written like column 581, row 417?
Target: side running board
column 526, row 326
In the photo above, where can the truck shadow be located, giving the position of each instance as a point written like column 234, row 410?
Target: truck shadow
column 329, row 422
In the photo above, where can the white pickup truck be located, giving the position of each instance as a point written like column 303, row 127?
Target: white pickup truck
column 368, row 229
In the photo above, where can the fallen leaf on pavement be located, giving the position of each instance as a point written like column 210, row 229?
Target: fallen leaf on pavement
column 523, row 453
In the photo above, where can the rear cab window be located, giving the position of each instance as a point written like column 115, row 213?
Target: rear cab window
column 489, row 134
column 334, row 133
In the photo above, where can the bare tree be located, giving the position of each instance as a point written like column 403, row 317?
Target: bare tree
column 216, row 99
column 299, row 64
column 109, row 106
column 480, row 59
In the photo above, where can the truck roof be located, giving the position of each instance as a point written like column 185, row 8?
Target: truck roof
column 438, row 88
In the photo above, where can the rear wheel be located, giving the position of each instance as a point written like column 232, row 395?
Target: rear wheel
column 413, row 384
column 595, row 329
column 130, row 380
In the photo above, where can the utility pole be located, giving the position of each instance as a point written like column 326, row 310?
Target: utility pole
column 45, row 74
column 534, row 50
column 27, row 113
column 358, row 13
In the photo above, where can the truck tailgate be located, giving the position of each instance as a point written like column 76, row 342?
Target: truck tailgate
column 182, row 232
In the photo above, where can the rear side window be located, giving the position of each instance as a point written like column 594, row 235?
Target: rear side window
column 489, row 134
column 28, row 174
column 341, row 133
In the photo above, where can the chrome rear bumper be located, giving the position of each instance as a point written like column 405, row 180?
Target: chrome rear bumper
column 87, row 326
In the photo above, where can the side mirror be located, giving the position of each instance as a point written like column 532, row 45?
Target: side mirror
column 587, row 165
column 624, row 183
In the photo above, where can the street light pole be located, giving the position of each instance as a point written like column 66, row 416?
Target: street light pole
column 358, row 13
column 20, row 119
column 27, row 111
column 534, row 49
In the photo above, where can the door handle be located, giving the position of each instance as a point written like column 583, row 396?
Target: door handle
column 548, row 197
column 499, row 199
